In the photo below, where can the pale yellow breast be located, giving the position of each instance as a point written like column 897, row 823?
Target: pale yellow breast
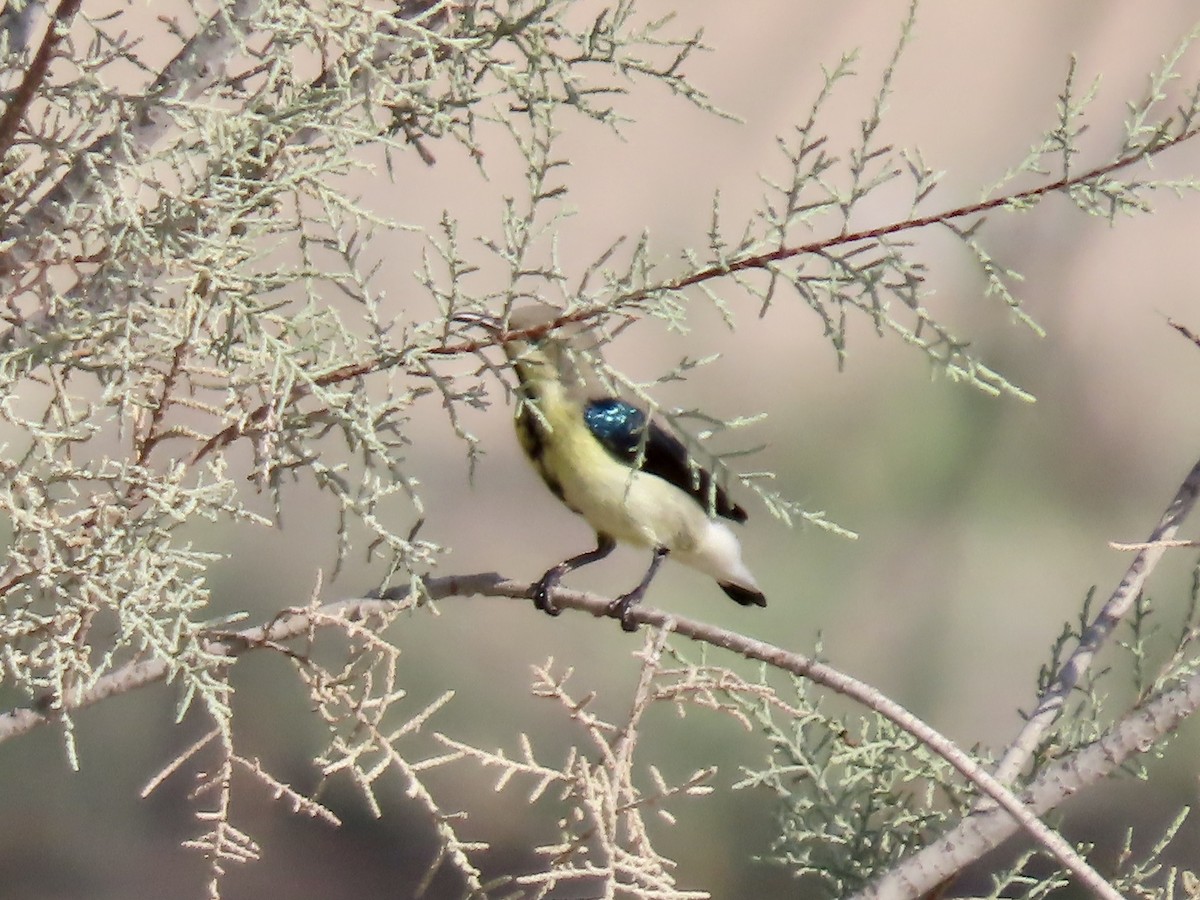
column 631, row 506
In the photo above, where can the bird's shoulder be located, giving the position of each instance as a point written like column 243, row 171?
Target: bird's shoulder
column 618, row 425
column 627, row 432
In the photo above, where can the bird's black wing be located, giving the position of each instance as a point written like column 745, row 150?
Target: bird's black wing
column 621, row 428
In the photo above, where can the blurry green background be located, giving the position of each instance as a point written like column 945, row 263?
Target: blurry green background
column 982, row 521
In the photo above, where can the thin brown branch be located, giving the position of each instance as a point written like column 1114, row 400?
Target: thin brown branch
column 765, row 260
column 1185, row 331
column 301, row 622
column 10, row 122
column 262, row 414
column 757, row 261
column 145, row 443
column 375, row 364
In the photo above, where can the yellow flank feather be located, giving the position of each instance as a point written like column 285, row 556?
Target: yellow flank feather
column 616, row 500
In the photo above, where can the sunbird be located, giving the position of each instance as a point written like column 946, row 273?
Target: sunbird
column 629, row 477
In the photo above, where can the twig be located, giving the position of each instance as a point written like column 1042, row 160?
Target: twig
column 1185, row 331
column 186, row 77
column 300, row 622
column 1143, row 545
column 283, row 627
column 766, row 260
column 1054, row 699
column 36, row 73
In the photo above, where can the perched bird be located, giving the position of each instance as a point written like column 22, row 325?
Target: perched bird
column 607, row 461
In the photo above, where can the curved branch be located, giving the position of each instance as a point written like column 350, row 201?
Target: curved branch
column 302, row 621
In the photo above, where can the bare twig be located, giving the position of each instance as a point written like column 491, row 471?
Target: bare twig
column 1145, row 545
column 1185, row 331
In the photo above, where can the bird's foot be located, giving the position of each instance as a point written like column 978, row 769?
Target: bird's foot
column 623, row 606
column 542, row 589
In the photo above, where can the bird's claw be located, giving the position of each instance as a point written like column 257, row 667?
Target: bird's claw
column 622, row 608
column 541, row 593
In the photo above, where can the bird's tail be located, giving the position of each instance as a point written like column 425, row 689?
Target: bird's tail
column 717, row 553
column 744, row 595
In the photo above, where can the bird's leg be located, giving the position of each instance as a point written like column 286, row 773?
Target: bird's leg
column 622, row 604
column 541, row 590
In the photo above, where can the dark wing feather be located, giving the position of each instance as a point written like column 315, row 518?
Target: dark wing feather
column 619, row 427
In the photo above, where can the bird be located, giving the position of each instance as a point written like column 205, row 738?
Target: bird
column 630, row 478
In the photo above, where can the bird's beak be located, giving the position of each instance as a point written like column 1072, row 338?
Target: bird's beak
column 483, row 320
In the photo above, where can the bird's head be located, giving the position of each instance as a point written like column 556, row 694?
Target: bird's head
column 538, row 349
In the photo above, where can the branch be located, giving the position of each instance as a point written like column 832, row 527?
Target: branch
column 186, row 77
column 299, row 622
column 36, row 73
column 756, row 261
column 766, row 260
column 982, row 831
column 987, row 827
column 1185, row 331
column 1054, row 700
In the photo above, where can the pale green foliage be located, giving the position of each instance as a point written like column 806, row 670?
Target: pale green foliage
column 1144, row 877
column 1151, row 658
column 854, row 793
column 173, row 248
column 192, row 321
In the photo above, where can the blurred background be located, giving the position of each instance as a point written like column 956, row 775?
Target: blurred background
column 982, row 521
